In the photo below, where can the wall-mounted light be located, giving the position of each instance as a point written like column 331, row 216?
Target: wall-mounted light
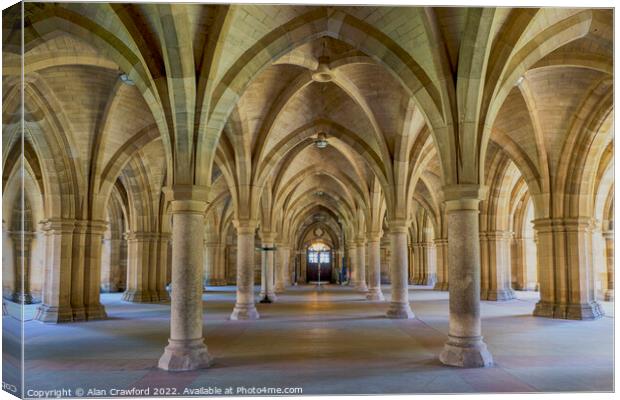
column 126, row 79
column 519, row 81
column 321, row 140
column 323, row 73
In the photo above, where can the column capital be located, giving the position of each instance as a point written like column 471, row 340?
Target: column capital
column 142, row 236
column 245, row 226
column 463, row 197
column 374, row 236
column 398, row 226
column 211, row 243
column 464, row 191
column 563, row 224
column 440, row 241
column 268, row 237
column 496, row 235
column 186, row 192
column 74, row 225
column 27, row 235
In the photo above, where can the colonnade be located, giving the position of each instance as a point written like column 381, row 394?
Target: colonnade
column 283, row 273
column 186, row 348
column 147, row 266
column 470, row 263
column 244, row 306
column 72, row 271
column 374, row 266
column 567, row 288
column 215, row 271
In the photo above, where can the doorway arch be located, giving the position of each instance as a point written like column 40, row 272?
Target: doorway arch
column 320, row 262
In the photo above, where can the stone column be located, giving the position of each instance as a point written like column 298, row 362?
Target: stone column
column 186, row 348
column 22, row 243
column 465, row 347
column 339, row 255
column 215, row 268
column 160, row 291
column 352, row 252
column 122, row 265
column 294, row 265
column 518, row 267
column 426, row 274
column 244, row 306
column 567, row 289
column 283, row 278
column 360, row 268
column 267, row 268
column 111, row 265
column 77, row 270
column 139, row 265
column 220, row 279
column 91, row 271
column 441, row 247
column 56, row 302
column 495, row 259
column 210, row 262
column 609, row 257
column 386, row 257
column 524, row 276
column 374, row 266
column 413, row 274
column 399, row 304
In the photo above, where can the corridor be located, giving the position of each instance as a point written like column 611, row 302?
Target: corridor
column 328, row 341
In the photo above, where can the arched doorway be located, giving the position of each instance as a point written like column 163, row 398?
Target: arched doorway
column 319, row 263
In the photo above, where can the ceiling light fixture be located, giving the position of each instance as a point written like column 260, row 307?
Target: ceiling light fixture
column 323, row 73
column 319, row 193
column 321, row 140
column 126, row 79
column 519, row 81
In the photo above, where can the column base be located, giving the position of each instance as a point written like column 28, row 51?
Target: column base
column 500, row 295
column 79, row 314
column 426, row 280
column 400, row 311
column 441, row 286
column 23, row 298
column 375, row 294
column 140, row 296
column 163, row 296
column 271, row 295
column 466, row 352
column 244, row 311
column 532, row 287
column 609, row 295
column 185, row 355
column 109, row 288
column 54, row 315
column 95, row 312
column 215, row 282
column 361, row 287
column 586, row 311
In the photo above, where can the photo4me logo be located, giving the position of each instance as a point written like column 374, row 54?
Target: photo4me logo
column 9, row 387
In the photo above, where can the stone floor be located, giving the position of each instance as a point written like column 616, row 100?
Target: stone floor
column 330, row 341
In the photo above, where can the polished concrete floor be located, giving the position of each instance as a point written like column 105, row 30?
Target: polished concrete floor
column 330, row 341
